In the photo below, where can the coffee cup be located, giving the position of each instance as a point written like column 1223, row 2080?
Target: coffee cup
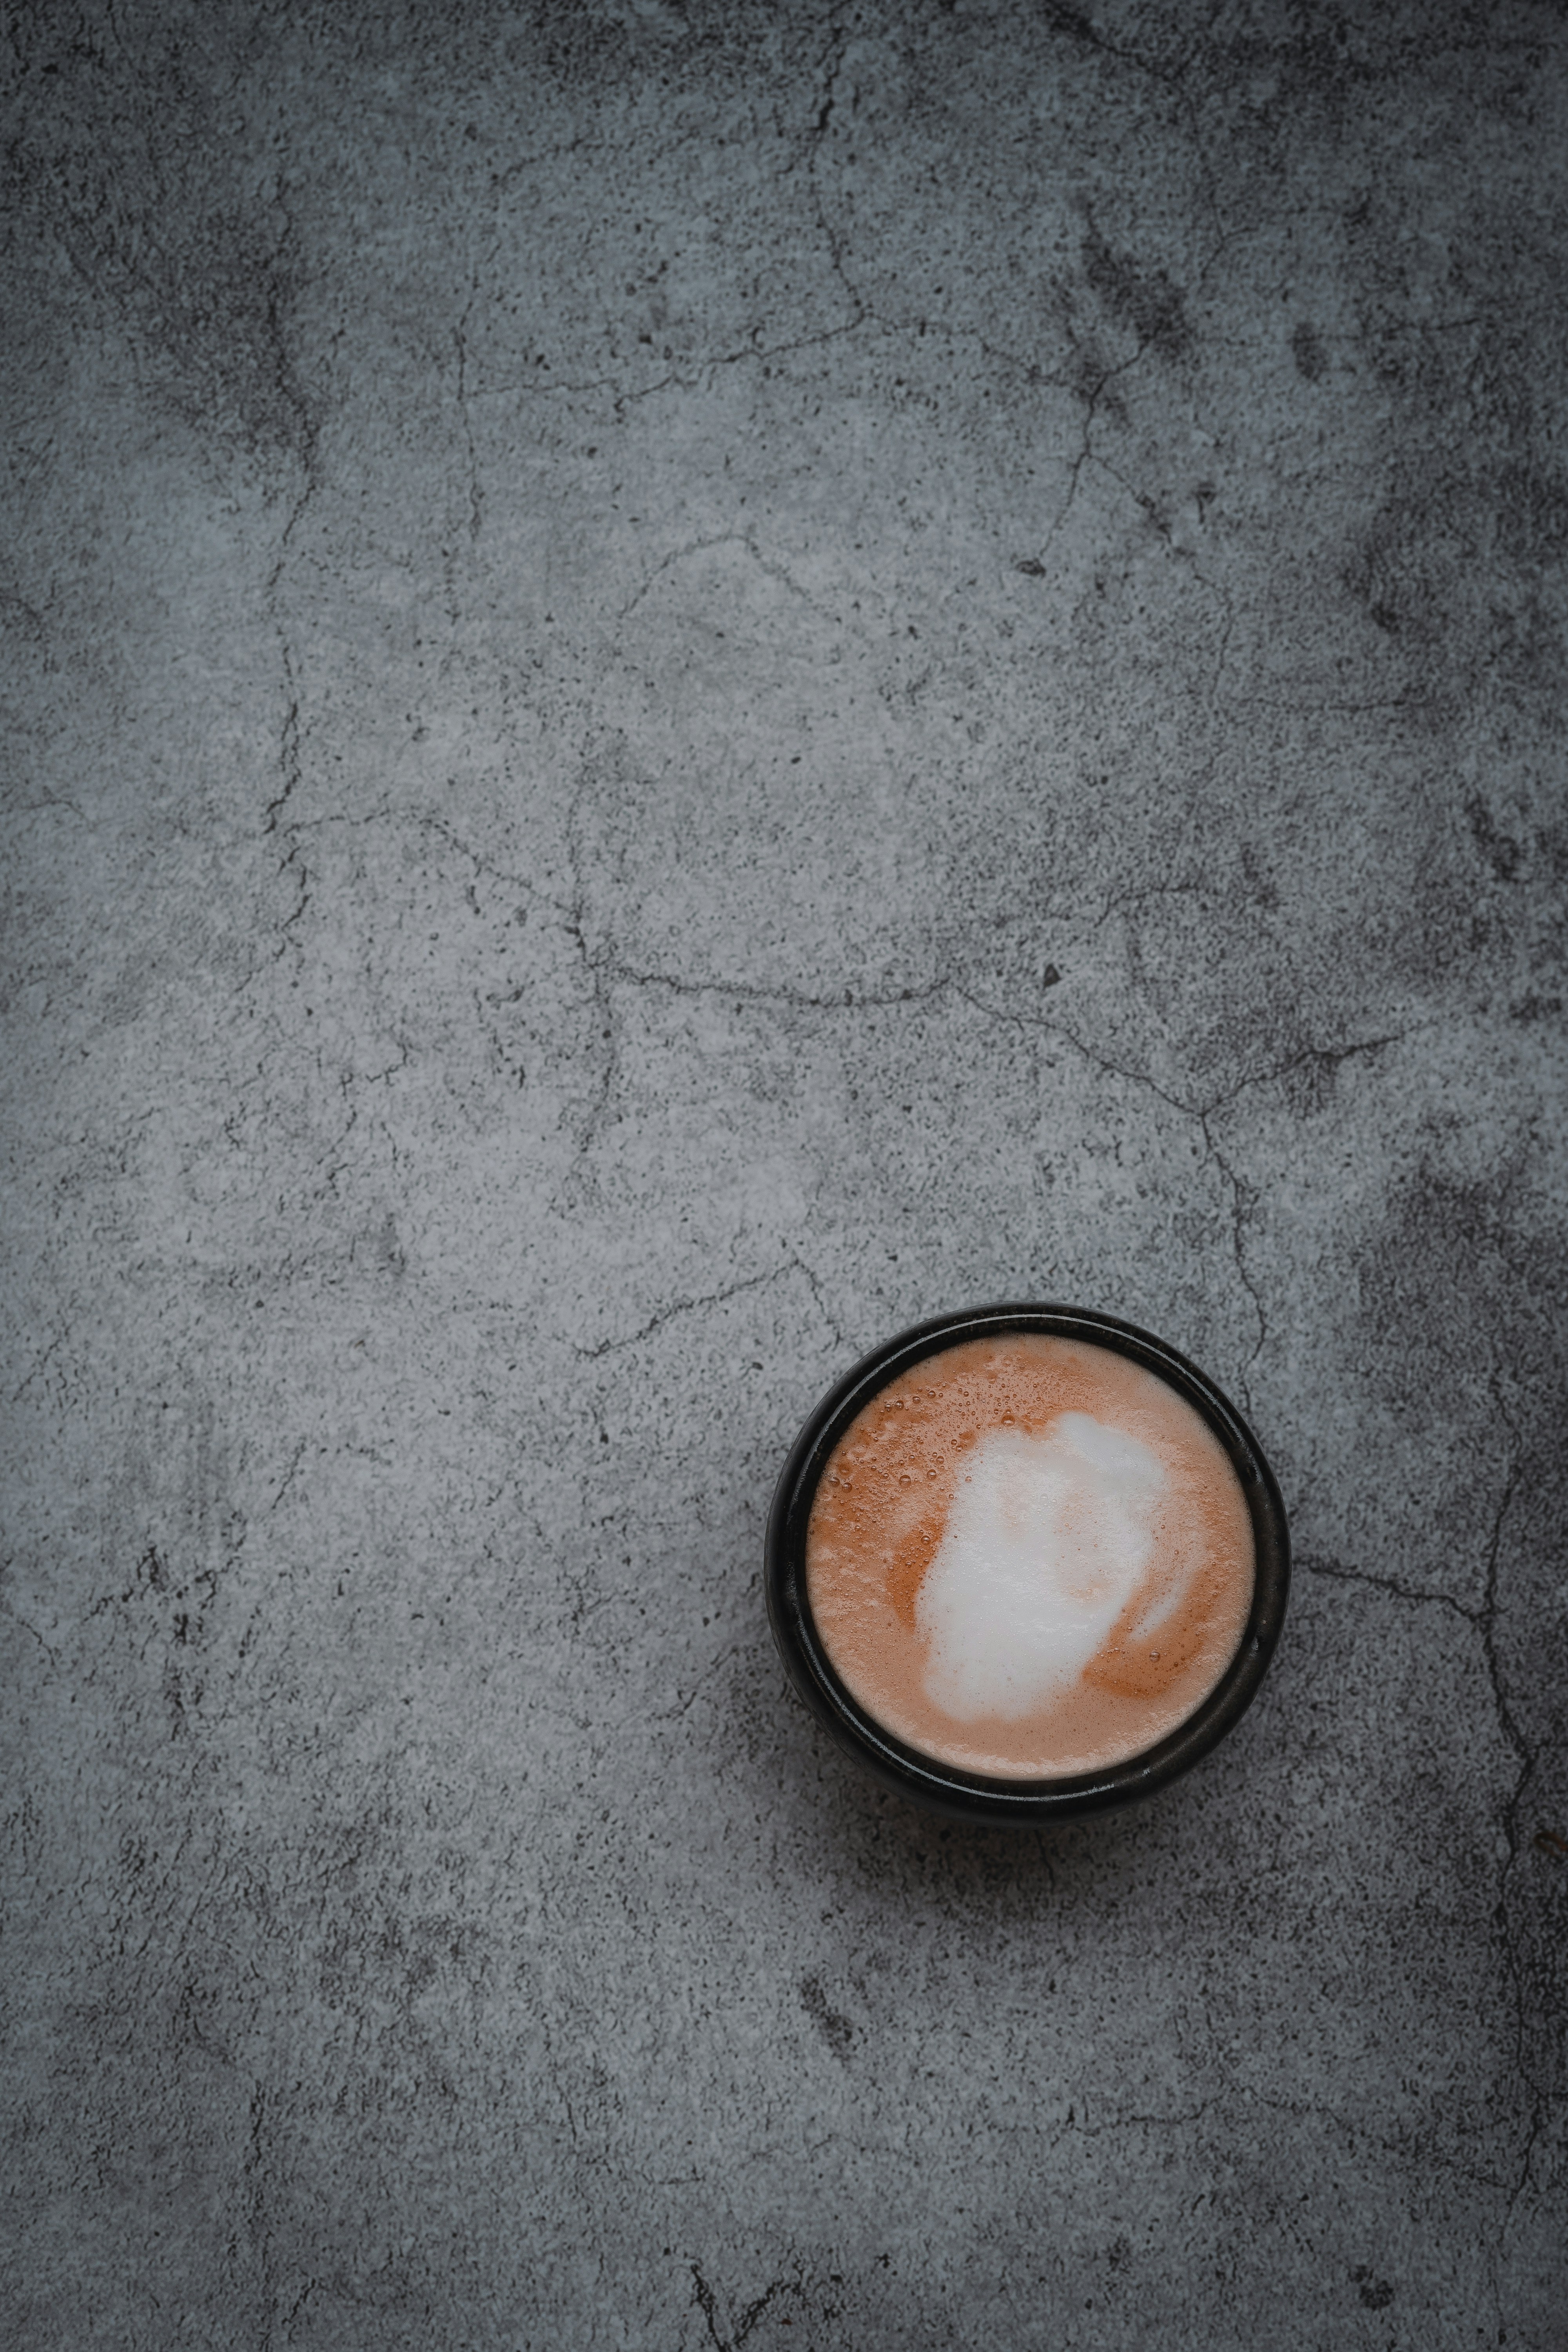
column 1026, row 1562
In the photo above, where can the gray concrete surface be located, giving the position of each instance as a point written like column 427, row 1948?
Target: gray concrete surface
column 685, row 681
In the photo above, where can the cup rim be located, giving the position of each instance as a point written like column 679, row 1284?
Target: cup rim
column 979, row 1797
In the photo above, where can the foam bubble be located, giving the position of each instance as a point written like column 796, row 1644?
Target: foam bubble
column 1045, row 1544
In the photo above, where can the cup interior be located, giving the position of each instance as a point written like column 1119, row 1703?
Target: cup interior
column 944, row 1788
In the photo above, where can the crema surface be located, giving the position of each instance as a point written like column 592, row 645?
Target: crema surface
column 1029, row 1556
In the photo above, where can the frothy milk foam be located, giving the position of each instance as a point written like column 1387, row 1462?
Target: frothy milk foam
column 1029, row 1556
column 1045, row 1541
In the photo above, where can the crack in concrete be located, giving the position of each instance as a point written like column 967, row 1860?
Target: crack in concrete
column 745, row 540
column 1244, row 1196
column 829, row 68
column 1151, row 508
column 15, row 1617
column 43, row 1358
column 1389, row 1584
column 1091, row 394
column 476, row 497
column 1525, row 1756
column 288, row 749
column 480, row 864
column 289, row 754
column 1243, row 1200
column 1484, row 1620
column 289, row 1476
column 814, row 1286
column 255, row 2175
column 622, row 397
column 749, row 993
column 686, row 1307
column 1072, row 23
column 1136, row 2123
column 707, row 2303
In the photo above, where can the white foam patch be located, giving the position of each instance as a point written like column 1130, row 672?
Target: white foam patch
column 1045, row 1544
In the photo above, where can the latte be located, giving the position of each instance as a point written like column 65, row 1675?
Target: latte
column 1028, row 1557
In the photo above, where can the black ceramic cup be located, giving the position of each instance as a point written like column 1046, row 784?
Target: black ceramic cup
column 973, row 1796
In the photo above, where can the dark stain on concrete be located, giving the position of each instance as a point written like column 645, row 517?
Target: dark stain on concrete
column 835, row 2028
column 1144, row 299
column 1307, row 350
column 1501, row 851
column 1375, row 2293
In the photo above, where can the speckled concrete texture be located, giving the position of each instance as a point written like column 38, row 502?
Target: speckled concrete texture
column 686, row 681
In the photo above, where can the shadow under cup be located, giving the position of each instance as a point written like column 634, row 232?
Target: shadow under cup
column 944, row 1788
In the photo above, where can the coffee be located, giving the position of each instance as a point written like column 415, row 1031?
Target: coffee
column 1028, row 1557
